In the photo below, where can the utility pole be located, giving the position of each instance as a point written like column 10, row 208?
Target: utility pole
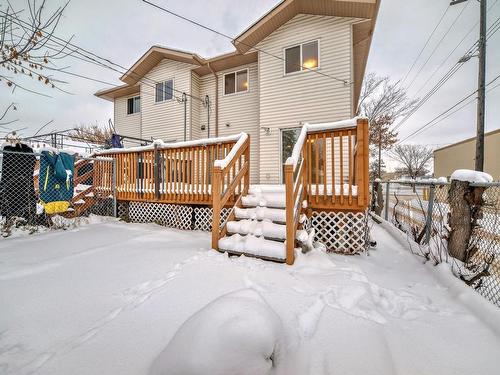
column 481, row 94
column 481, row 86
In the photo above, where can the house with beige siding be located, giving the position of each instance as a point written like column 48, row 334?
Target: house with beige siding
column 302, row 62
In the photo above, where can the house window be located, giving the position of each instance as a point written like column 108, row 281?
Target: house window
column 164, row 91
column 302, row 57
column 133, row 105
column 236, row 82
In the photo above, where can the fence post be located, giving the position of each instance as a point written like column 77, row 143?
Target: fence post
column 113, row 187
column 386, row 214
column 430, row 208
column 156, row 173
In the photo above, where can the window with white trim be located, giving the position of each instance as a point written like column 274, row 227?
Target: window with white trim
column 302, row 57
column 133, row 105
column 164, row 91
column 236, row 82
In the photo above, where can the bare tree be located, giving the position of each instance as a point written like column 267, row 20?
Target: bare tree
column 93, row 133
column 26, row 47
column 414, row 159
column 28, row 50
column 383, row 102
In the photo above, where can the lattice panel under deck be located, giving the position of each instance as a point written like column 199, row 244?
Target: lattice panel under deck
column 203, row 217
column 341, row 232
column 170, row 215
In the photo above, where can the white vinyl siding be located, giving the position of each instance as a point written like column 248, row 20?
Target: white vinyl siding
column 286, row 101
column 165, row 120
column 241, row 112
column 195, row 107
column 129, row 125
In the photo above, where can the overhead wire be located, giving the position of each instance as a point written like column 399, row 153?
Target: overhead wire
column 425, row 45
column 438, row 45
column 491, row 31
column 433, row 122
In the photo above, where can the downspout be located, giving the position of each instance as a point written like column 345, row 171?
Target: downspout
column 216, row 100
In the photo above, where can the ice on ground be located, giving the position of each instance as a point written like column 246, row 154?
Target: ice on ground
column 238, row 333
column 107, row 298
column 471, row 176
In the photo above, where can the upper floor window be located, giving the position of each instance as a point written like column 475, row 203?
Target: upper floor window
column 302, row 57
column 164, row 91
column 236, row 82
column 133, row 105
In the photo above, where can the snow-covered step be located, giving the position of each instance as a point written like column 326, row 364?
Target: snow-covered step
column 252, row 245
column 265, row 196
column 261, row 213
column 265, row 228
column 271, row 199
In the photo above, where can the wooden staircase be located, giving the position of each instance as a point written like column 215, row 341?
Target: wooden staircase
column 258, row 228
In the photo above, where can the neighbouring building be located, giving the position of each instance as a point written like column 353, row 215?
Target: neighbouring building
column 303, row 61
column 461, row 155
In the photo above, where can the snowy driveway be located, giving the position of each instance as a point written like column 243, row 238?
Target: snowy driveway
column 106, row 299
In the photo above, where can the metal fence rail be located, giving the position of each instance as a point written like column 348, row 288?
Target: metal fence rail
column 39, row 190
column 421, row 210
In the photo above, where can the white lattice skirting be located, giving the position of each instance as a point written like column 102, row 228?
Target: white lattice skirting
column 341, row 232
column 171, row 215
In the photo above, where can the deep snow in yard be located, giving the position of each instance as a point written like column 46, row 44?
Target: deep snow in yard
column 106, row 298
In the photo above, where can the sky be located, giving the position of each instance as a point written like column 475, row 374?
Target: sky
column 123, row 30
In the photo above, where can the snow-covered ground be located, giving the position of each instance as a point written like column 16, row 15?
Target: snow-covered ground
column 107, row 298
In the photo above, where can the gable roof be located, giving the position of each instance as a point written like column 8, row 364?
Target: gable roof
column 153, row 56
column 287, row 9
column 365, row 10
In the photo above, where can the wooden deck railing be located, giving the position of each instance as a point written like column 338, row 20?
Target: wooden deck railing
column 231, row 180
column 170, row 173
column 328, row 169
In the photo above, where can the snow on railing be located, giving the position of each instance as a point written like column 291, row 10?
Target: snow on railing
column 223, row 163
column 161, row 145
column 307, row 128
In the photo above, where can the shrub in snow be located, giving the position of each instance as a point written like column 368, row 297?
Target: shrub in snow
column 238, row 333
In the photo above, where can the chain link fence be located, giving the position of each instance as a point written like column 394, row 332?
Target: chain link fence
column 422, row 211
column 40, row 191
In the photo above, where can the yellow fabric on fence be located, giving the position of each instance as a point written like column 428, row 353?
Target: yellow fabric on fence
column 56, row 207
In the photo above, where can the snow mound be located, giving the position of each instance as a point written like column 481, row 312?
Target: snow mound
column 471, row 176
column 237, row 333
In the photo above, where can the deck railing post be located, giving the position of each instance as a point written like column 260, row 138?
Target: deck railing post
column 216, row 198
column 156, row 174
column 362, row 158
column 247, row 175
column 113, row 187
column 290, row 213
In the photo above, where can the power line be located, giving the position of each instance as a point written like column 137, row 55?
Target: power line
column 431, row 122
column 425, row 45
column 91, row 56
column 492, row 30
column 438, row 44
column 454, row 49
column 245, row 44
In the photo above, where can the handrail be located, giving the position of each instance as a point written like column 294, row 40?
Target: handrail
column 230, row 181
column 178, row 172
column 339, row 182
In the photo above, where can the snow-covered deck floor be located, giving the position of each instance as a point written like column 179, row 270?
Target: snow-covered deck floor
column 107, row 298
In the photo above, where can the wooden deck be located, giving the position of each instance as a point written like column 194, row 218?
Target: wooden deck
column 330, row 173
